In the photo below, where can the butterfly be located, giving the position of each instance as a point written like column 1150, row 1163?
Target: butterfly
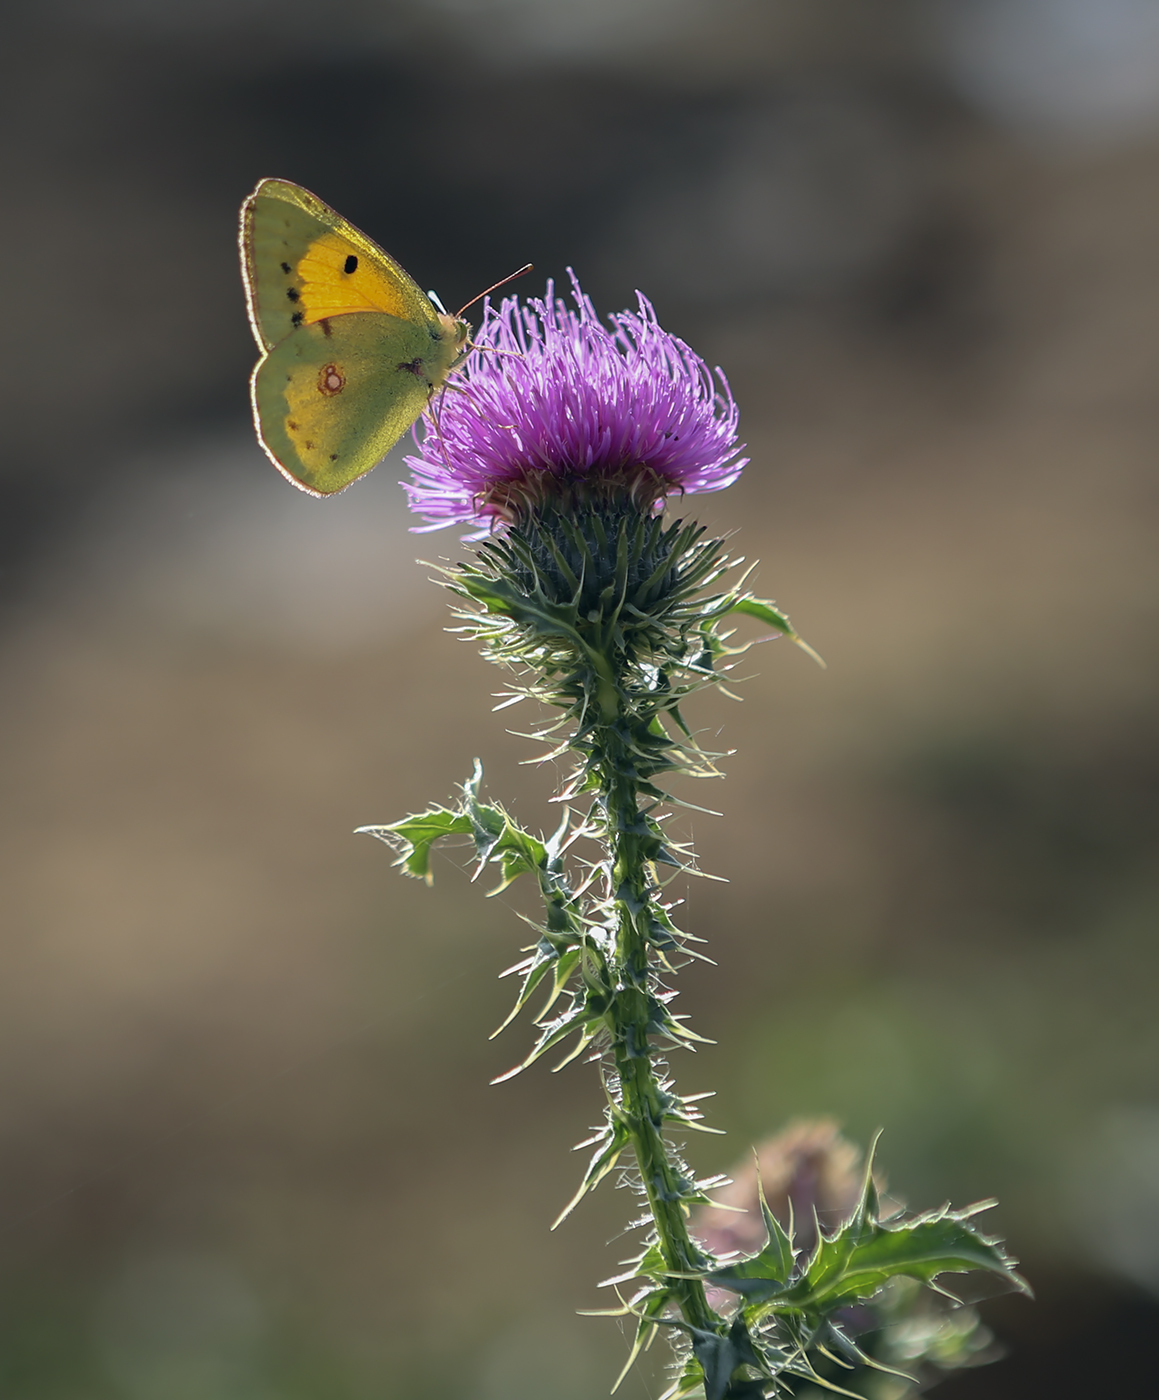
column 352, row 350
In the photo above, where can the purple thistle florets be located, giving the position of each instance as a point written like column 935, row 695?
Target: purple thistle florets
column 554, row 398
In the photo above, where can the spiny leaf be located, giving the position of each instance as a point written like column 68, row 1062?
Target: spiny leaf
column 614, row 1141
column 860, row 1257
column 653, row 1304
column 414, row 836
column 773, row 617
column 545, row 960
column 720, row 1357
column 762, row 1276
column 844, row 1268
column 690, row 1380
column 650, row 1264
column 575, row 1018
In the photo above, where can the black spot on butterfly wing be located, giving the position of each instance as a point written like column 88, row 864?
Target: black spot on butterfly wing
column 293, row 293
column 286, row 268
column 297, row 318
column 350, row 265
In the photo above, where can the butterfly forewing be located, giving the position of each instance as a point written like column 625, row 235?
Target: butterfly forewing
column 303, row 262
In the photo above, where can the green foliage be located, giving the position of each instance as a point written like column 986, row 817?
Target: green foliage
column 855, row 1262
column 570, row 957
column 498, row 840
column 608, row 617
column 801, row 1315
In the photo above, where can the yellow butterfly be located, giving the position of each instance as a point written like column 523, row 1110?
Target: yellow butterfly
column 352, row 350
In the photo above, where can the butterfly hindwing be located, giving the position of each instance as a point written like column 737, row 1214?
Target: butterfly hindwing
column 333, row 398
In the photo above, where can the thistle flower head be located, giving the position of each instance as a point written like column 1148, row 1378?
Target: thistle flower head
column 556, row 403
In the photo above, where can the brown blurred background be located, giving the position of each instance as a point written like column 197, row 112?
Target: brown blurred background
column 247, row 1146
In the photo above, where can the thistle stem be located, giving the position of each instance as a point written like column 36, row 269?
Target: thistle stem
column 632, row 838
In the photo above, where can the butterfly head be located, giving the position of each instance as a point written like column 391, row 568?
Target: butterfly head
column 458, row 335
column 456, row 331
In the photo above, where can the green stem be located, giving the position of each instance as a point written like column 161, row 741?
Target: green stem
column 632, row 841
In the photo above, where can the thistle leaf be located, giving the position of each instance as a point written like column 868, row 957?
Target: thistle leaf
column 845, row 1268
column 863, row 1254
column 773, row 617
column 612, row 1143
column 764, row 1275
column 414, row 836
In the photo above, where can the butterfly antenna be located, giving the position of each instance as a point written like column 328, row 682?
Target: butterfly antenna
column 523, row 271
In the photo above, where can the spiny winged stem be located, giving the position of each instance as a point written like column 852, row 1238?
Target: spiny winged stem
column 634, row 842
column 625, row 586
column 607, row 610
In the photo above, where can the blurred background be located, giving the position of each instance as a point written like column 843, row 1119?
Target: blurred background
column 248, row 1150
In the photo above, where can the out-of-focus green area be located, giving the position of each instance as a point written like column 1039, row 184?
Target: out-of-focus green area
column 248, row 1150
